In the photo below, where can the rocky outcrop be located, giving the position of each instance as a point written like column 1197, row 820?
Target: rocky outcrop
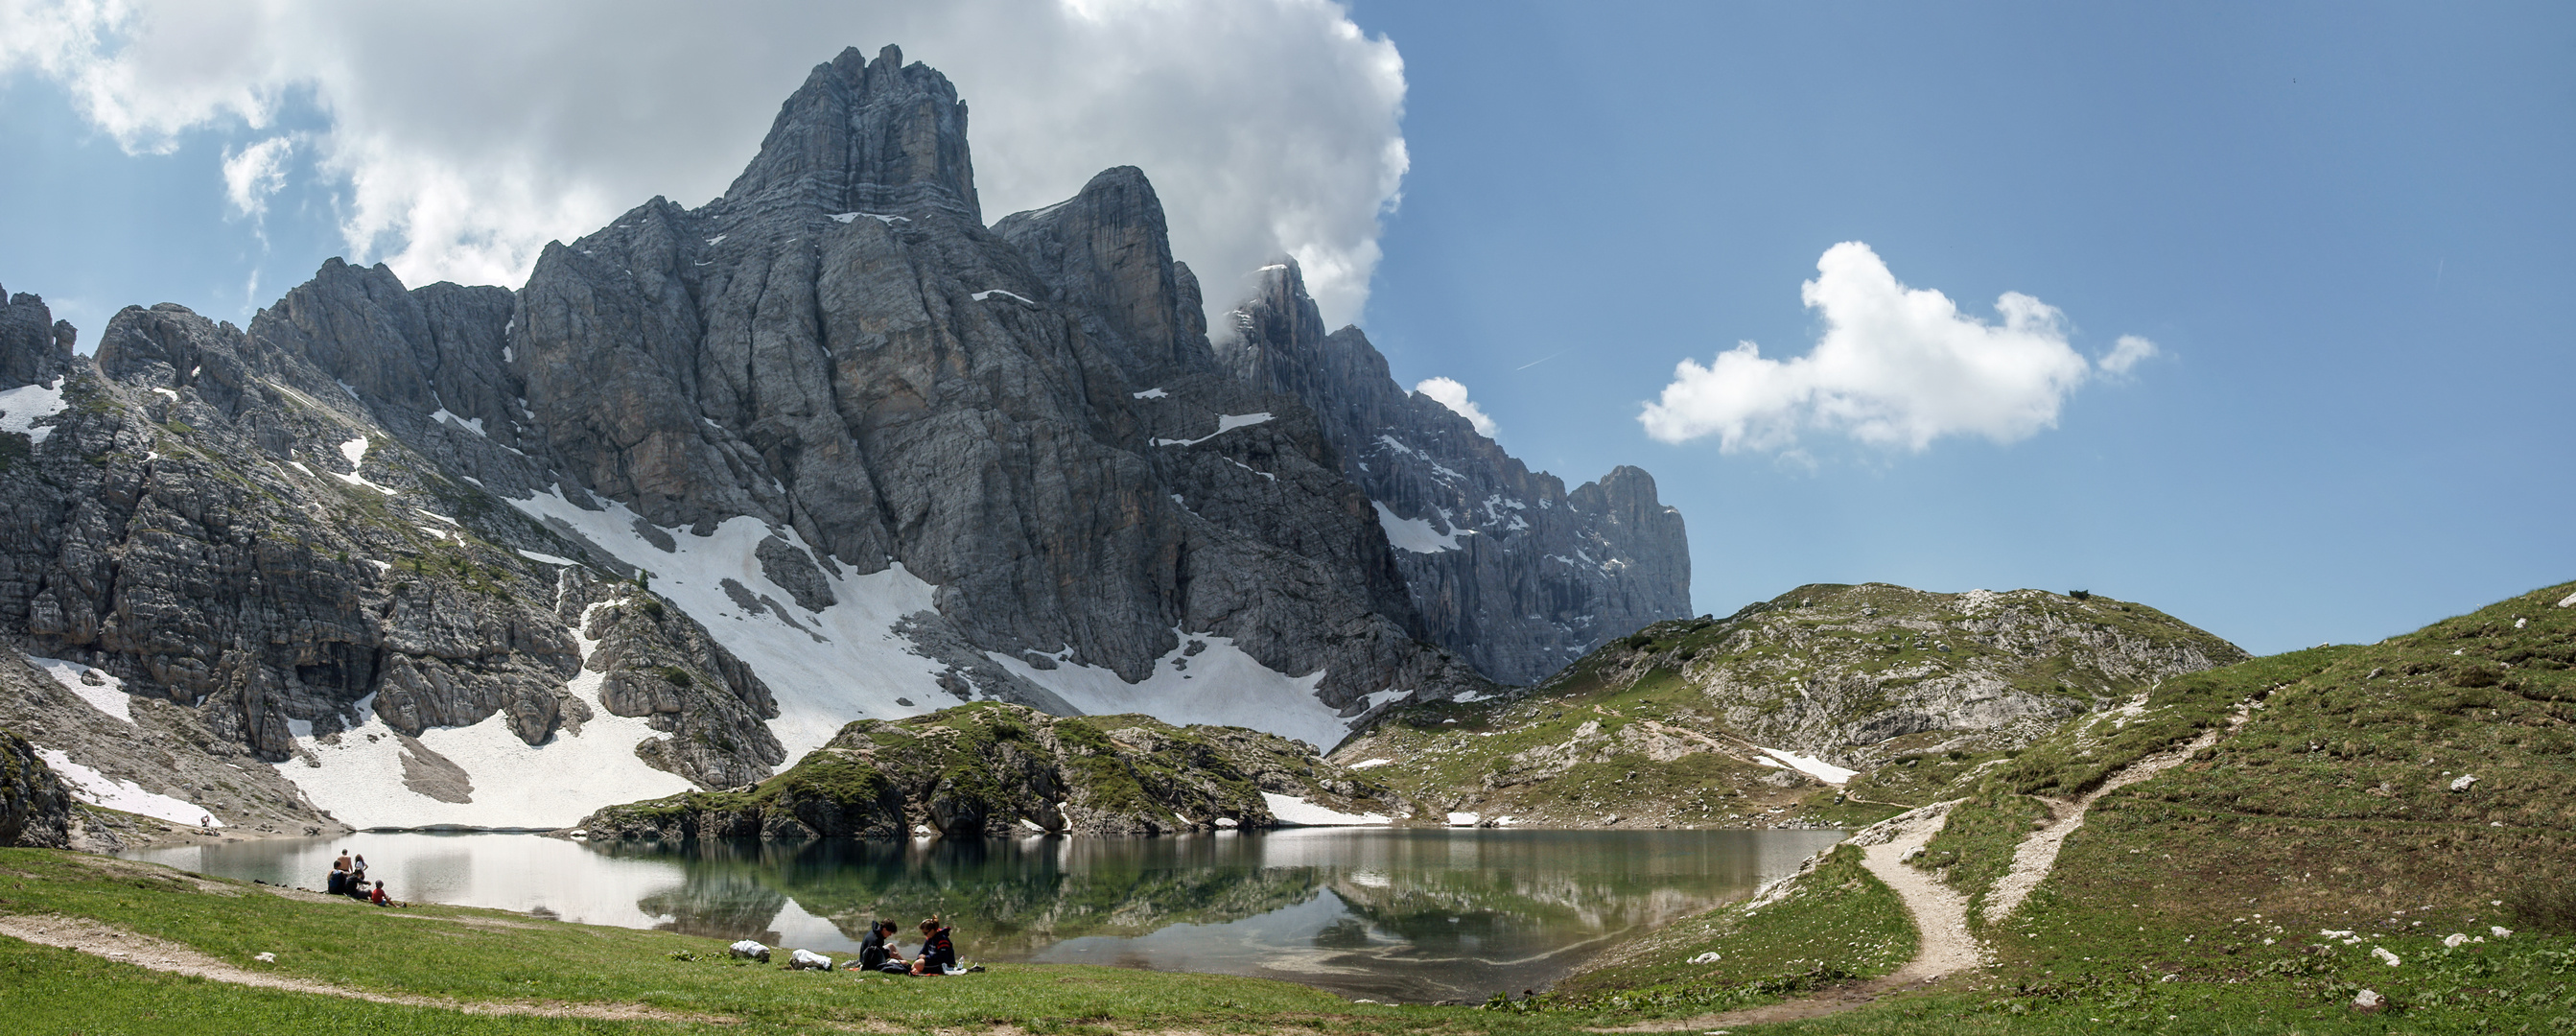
column 997, row 770
column 1728, row 722
column 34, row 347
column 35, row 807
column 1504, row 565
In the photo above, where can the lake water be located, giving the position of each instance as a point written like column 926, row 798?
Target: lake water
column 1400, row 915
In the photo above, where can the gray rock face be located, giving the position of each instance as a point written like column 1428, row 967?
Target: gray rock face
column 34, row 347
column 411, row 506
column 35, row 807
column 1504, row 565
column 837, row 346
column 194, row 527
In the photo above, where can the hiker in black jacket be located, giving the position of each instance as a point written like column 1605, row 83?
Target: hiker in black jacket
column 877, row 954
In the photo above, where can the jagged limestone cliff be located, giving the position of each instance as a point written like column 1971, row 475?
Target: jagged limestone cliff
column 1506, row 567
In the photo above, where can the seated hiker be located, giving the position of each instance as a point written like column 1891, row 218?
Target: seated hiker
column 877, row 951
column 938, row 951
column 337, row 884
column 378, row 897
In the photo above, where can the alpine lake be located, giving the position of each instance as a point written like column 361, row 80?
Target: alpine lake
column 1395, row 915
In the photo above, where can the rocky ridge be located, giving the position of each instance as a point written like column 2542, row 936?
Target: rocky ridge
column 997, row 770
column 1736, row 721
column 1505, row 565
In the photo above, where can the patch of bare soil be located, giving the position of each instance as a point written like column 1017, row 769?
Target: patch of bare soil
column 96, row 939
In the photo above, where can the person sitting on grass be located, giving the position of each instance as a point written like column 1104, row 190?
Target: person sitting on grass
column 938, row 951
column 378, row 897
column 877, row 951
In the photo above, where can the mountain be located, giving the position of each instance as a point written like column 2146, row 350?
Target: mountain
column 1506, row 567
column 712, row 484
column 1733, row 722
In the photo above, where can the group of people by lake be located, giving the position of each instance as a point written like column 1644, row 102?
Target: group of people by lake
column 938, row 954
column 349, row 878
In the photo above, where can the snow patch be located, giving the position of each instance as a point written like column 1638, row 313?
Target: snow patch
column 174, row 397
column 1220, row 685
column 1807, row 764
column 1151, row 393
column 1457, row 819
column 356, row 451
column 1417, row 534
column 360, row 779
column 108, row 697
column 858, row 668
column 844, row 217
column 1366, row 763
column 1224, row 423
column 1293, row 810
column 546, row 558
column 443, row 417
column 717, row 240
column 990, row 292
column 99, row 789
column 22, row 407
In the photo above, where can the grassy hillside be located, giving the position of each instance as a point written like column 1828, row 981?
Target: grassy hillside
column 1664, row 728
column 2331, row 817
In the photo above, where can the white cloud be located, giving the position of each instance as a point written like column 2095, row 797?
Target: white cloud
column 255, row 172
column 466, row 136
column 1896, row 367
column 2126, row 353
column 1453, row 395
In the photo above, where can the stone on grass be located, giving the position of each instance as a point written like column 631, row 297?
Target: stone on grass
column 808, row 960
column 2382, row 953
column 750, row 950
column 2454, row 940
column 1710, row 957
column 266, row 958
column 2499, row 931
column 2369, row 1002
column 2462, row 782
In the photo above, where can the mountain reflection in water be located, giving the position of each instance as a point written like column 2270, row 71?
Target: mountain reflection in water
column 1406, row 915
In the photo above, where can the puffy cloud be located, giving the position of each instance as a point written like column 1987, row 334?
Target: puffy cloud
column 1896, row 367
column 255, row 172
column 464, row 136
column 1449, row 393
column 2126, row 353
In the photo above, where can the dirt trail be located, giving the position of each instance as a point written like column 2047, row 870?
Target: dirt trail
column 91, row 937
column 1944, row 947
column 2037, row 854
column 1940, row 912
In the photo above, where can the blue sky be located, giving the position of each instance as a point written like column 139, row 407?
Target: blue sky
column 2345, row 228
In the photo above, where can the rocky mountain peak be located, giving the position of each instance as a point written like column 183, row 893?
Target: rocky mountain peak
column 867, row 135
column 1505, row 566
column 1108, row 247
column 33, row 345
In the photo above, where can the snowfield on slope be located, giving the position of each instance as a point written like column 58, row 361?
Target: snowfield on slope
column 1219, row 686
column 361, row 771
column 99, row 789
column 825, row 668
